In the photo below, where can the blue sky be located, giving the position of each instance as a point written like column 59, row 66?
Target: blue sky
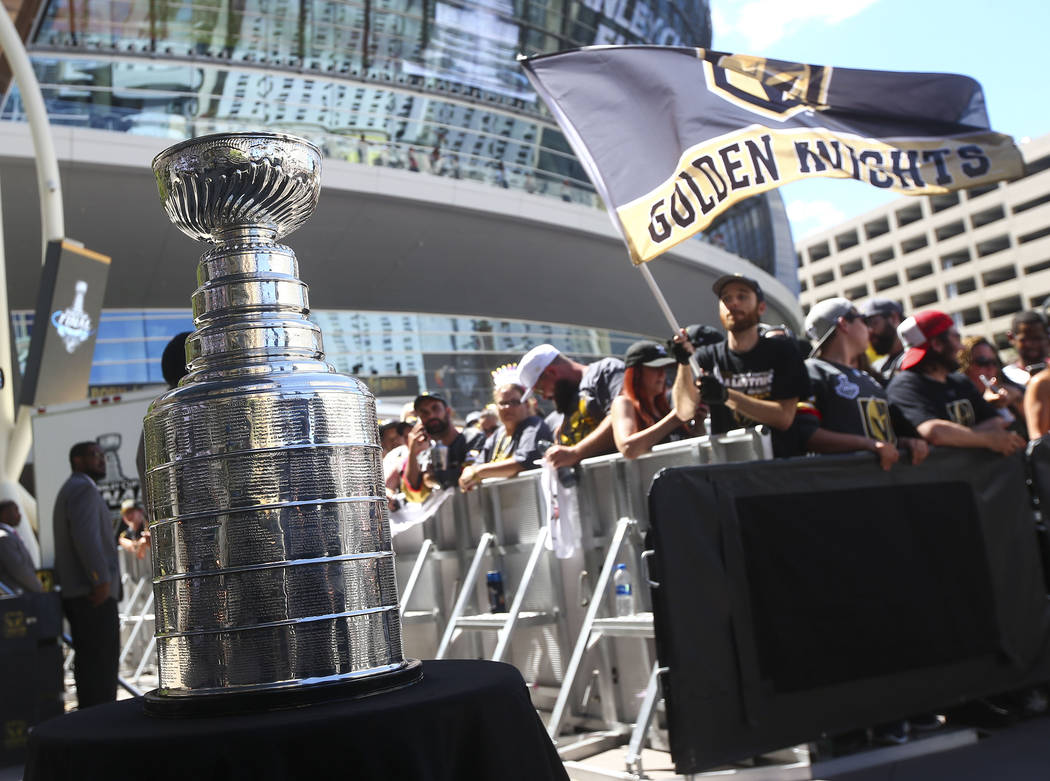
column 998, row 42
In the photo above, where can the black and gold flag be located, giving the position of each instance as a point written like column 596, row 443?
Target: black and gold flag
column 673, row 136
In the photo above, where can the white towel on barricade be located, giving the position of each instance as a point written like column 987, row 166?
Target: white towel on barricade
column 563, row 513
column 414, row 513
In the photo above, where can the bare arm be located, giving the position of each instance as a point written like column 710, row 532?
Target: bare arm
column 473, row 475
column 947, row 434
column 991, row 424
column 631, row 441
column 597, row 443
column 826, row 441
column 685, row 396
column 418, row 441
column 1037, row 405
column 778, row 413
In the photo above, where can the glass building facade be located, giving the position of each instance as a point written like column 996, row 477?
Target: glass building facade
column 445, row 354
column 423, row 85
column 429, row 86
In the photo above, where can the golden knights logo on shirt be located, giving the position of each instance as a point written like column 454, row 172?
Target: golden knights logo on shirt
column 961, row 412
column 578, row 425
column 875, row 414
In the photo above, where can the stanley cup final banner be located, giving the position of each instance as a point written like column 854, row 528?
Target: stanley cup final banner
column 673, row 136
column 62, row 345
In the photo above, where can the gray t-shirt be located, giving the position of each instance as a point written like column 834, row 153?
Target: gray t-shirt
column 602, row 382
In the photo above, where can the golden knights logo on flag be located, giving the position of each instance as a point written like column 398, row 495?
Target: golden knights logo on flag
column 674, row 136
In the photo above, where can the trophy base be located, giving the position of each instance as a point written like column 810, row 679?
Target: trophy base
column 301, row 696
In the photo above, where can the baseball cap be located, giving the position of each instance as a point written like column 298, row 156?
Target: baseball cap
column 647, row 354
column 128, row 504
column 472, row 418
column 532, row 364
column 427, row 395
column 725, row 279
column 915, row 332
column 880, row 306
column 822, row 319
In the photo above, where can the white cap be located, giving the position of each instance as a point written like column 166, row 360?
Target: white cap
column 532, row 364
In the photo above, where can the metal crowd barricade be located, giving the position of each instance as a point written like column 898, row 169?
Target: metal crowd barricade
column 628, row 698
column 429, row 560
column 556, row 607
column 508, row 526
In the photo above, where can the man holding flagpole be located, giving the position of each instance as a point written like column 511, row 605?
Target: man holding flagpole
column 747, row 379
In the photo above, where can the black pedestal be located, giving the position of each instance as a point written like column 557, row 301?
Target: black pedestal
column 465, row 720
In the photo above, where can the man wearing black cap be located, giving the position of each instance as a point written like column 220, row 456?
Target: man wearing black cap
column 435, row 423
column 882, row 316
column 747, row 379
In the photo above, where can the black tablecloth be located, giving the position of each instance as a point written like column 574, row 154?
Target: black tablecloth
column 465, row 720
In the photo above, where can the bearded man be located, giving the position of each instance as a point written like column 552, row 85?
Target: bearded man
column 747, row 379
column 435, row 426
column 582, row 396
column 882, row 316
column 930, row 395
column 88, row 570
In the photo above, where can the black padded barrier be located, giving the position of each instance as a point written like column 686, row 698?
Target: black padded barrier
column 811, row 596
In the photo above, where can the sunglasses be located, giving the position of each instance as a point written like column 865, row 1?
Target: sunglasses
column 851, row 315
column 985, row 362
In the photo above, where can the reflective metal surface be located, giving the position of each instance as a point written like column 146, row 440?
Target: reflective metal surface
column 273, row 566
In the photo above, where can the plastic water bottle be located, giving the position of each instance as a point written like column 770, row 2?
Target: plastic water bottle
column 494, row 583
column 623, row 587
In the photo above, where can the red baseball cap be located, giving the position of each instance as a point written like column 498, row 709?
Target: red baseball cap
column 915, row 332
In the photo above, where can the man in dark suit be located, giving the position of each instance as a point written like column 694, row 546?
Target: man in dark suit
column 88, row 570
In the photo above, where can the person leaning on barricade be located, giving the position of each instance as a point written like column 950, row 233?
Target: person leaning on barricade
column 582, row 398
column 520, row 440
column 747, row 379
column 847, row 410
column 641, row 415
column 943, row 406
column 447, row 448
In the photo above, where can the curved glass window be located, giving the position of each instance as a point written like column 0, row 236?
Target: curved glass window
column 431, row 86
column 450, row 354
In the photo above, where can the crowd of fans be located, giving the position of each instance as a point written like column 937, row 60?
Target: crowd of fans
column 866, row 378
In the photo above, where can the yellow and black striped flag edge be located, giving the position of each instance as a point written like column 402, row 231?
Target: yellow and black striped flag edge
column 672, row 137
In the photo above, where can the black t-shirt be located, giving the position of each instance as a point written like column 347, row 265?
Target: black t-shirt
column 846, row 400
column 915, row 398
column 887, row 367
column 462, row 451
column 772, row 369
column 524, row 446
column 602, row 382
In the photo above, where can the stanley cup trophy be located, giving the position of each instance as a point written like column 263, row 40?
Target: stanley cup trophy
column 273, row 569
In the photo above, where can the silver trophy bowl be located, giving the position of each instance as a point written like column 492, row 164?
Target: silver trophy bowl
column 273, row 569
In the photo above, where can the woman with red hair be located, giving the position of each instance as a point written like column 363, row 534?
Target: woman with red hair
column 641, row 414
